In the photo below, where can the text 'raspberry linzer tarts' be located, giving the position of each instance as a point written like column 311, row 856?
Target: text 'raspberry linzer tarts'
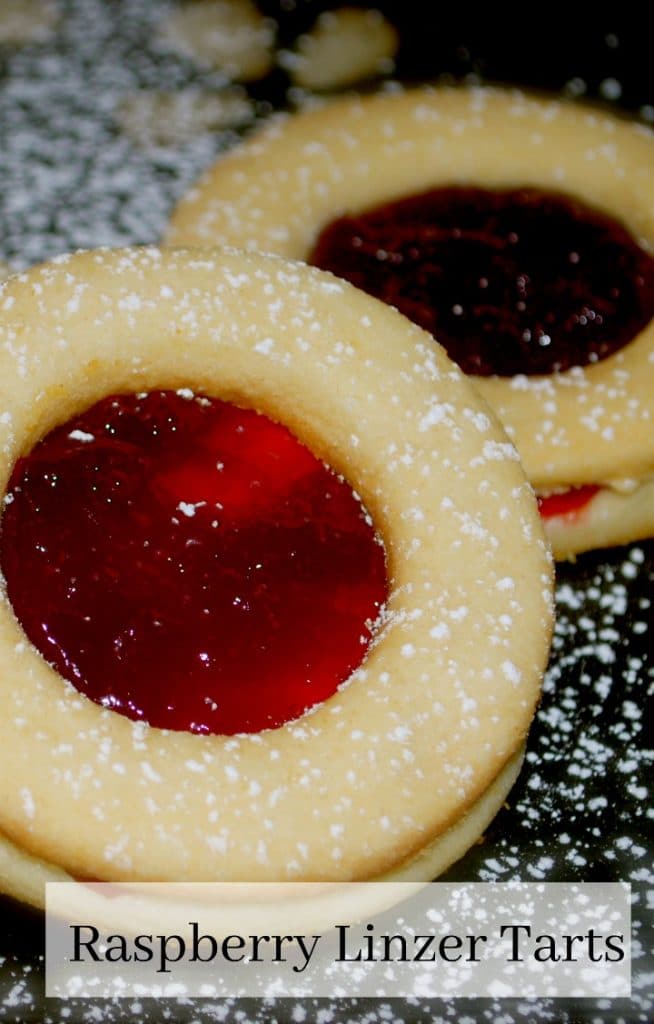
column 518, row 230
column 277, row 601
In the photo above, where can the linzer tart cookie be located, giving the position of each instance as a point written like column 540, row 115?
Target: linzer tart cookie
column 518, row 230
column 218, row 660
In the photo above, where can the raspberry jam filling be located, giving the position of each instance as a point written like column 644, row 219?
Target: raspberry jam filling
column 569, row 503
column 509, row 281
column 190, row 563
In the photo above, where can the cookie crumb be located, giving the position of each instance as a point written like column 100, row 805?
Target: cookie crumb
column 155, row 117
column 231, row 36
column 344, row 47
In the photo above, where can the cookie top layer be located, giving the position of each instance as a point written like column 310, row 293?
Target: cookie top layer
column 276, row 193
column 446, row 694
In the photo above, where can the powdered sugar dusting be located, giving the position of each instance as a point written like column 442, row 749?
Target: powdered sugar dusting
column 173, row 780
column 568, row 426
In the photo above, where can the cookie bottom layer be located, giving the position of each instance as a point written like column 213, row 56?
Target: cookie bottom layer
column 24, row 877
column 610, row 519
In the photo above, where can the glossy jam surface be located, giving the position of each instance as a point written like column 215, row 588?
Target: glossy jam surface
column 513, row 281
column 569, row 503
column 190, row 563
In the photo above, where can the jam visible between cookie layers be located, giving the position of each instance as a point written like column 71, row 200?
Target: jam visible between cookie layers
column 518, row 281
column 568, row 503
column 190, row 563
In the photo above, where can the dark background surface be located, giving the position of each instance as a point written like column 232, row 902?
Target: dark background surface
column 582, row 808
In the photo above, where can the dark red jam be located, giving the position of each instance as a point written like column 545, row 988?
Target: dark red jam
column 568, row 503
column 190, row 563
column 511, row 281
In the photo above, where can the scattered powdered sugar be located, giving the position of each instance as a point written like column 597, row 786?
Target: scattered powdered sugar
column 582, row 808
column 158, row 118
column 70, row 178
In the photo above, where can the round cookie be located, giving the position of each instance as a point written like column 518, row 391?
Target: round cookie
column 25, row 876
column 427, row 735
column 588, row 425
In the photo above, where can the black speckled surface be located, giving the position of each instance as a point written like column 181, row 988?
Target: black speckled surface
column 582, row 808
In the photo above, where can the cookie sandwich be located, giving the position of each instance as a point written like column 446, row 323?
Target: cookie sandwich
column 518, row 230
column 276, row 599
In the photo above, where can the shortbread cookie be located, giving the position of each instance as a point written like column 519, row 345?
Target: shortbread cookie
column 231, row 36
column 345, row 46
column 400, row 769
column 27, row 21
column 431, row 199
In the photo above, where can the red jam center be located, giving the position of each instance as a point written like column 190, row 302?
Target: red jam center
column 512, row 281
column 569, row 503
column 190, row 563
